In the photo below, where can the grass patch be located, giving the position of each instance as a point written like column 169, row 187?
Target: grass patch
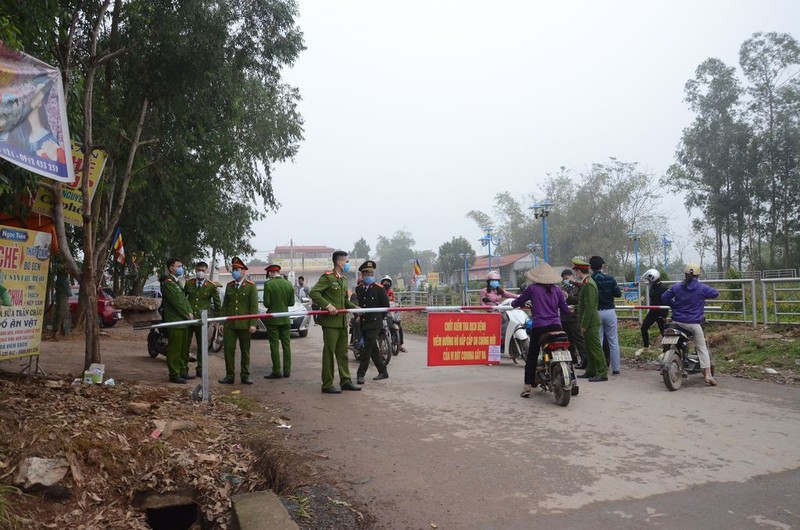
column 241, row 402
column 7, row 518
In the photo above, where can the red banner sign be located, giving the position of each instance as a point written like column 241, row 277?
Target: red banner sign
column 463, row 338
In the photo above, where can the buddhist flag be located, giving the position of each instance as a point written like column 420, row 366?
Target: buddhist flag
column 417, row 268
column 119, row 250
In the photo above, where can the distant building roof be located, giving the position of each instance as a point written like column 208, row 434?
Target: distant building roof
column 482, row 262
column 299, row 248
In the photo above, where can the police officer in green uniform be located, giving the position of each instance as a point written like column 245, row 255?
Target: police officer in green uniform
column 176, row 308
column 241, row 298
column 330, row 293
column 202, row 294
column 278, row 298
column 369, row 294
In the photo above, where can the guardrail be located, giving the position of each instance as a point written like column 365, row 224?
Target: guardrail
column 785, row 294
column 739, row 295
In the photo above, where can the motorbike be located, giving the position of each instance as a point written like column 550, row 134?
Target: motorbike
column 516, row 340
column 157, row 339
column 554, row 371
column 677, row 363
column 395, row 329
column 386, row 343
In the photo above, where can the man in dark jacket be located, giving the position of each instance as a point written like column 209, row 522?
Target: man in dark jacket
column 607, row 290
column 370, row 294
column 657, row 316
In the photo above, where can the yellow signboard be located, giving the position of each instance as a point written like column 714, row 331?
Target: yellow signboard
column 24, row 259
column 433, row 280
column 71, row 196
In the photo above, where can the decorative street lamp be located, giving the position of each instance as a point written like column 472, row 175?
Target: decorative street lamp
column 634, row 236
column 465, row 256
column 543, row 209
column 488, row 239
column 666, row 242
column 533, row 248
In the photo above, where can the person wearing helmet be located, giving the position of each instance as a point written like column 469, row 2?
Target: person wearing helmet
column 687, row 300
column 386, row 281
column 652, row 278
column 492, row 295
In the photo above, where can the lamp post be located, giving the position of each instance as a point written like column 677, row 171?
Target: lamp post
column 634, row 236
column 465, row 256
column 543, row 209
column 533, row 248
column 666, row 242
column 488, row 239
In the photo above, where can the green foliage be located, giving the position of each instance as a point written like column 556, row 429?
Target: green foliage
column 360, row 249
column 396, row 252
column 450, row 259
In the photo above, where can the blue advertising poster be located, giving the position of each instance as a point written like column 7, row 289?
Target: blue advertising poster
column 33, row 116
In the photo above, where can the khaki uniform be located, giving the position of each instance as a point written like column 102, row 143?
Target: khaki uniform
column 331, row 289
column 241, row 300
column 202, row 296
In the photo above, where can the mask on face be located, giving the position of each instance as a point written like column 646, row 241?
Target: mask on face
column 346, row 267
column 494, row 284
column 566, row 282
column 237, row 274
column 179, row 272
column 387, row 286
column 201, row 275
column 369, row 280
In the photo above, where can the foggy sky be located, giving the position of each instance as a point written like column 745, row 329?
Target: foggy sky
column 418, row 111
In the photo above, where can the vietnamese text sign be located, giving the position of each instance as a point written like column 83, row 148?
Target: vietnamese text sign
column 24, row 259
column 71, row 194
column 463, row 338
column 33, row 116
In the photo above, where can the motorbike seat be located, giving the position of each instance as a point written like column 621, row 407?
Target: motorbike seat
column 554, row 340
column 681, row 329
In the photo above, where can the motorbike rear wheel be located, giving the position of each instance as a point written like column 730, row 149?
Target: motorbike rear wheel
column 672, row 371
column 562, row 395
column 152, row 344
column 395, row 342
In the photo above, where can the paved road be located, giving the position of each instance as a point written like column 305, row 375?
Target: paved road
column 457, row 447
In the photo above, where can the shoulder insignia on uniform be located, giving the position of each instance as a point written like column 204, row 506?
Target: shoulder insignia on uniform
column 232, row 282
column 170, row 280
column 329, row 272
column 251, row 282
column 212, row 282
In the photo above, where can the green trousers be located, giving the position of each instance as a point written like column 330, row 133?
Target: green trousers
column 280, row 336
column 229, row 342
column 196, row 332
column 178, row 338
column 595, row 358
column 334, row 346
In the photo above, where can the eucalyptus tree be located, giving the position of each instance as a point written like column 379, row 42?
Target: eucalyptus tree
column 183, row 96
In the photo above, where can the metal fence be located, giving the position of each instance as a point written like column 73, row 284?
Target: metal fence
column 779, row 303
column 780, row 300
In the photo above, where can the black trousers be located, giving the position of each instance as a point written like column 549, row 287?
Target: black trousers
column 370, row 351
column 577, row 346
column 533, row 350
column 657, row 316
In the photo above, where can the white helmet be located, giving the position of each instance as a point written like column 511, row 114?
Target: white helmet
column 385, row 278
column 493, row 275
column 651, row 276
column 692, row 268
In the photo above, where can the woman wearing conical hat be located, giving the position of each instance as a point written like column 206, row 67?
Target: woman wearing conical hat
column 547, row 304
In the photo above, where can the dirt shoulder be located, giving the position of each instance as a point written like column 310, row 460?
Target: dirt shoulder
column 143, row 436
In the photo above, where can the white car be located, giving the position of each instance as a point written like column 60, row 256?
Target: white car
column 299, row 325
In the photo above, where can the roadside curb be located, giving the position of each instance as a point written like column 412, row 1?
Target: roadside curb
column 260, row 509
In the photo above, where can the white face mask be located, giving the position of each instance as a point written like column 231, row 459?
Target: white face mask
column 201, row 275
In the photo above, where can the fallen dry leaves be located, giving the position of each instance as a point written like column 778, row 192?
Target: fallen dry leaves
column 112, row 456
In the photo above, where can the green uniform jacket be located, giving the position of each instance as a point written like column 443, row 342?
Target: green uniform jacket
column 331, row 290
column 241, row 301
column 588, row 315
column 205, row 297
column 372, row 296
column 176, row 306
column 278, row 298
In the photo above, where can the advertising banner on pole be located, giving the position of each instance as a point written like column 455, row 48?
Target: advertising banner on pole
column 463, row 338
column 24, row 259
column 34, row 133
column 71, row 194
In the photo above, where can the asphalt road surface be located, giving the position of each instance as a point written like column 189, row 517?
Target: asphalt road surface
column 456, row 447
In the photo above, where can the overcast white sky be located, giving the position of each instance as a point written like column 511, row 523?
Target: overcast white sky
column 418, row 111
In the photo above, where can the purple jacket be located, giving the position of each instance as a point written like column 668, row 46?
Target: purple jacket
column 688, row 301
column 545, row 304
